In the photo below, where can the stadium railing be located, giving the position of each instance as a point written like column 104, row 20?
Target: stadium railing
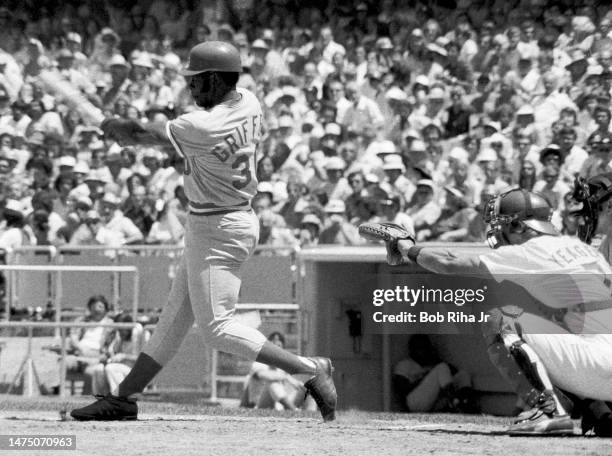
column 27, row 368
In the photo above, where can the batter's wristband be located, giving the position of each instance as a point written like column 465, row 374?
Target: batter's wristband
column 413, row 253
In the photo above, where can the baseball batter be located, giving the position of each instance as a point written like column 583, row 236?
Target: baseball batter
column 219, row 146
column 565, row 275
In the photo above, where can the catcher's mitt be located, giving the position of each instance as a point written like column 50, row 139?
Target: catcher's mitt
column 390, row 233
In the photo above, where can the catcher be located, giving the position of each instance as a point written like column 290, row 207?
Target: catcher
column 529, row 350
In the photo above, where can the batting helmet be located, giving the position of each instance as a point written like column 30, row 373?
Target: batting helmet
column 213, row 56
column 517, row 206
column 588, row 197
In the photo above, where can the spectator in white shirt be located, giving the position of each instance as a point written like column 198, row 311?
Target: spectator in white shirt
column 330, row 47
column 115, row 221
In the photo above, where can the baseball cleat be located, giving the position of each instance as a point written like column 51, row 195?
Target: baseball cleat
column 107, row 408
column 539, row 423
column 322, row 389
column 601, row 427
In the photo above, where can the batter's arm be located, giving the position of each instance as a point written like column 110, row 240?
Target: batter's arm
column 154, row 134
column 129, row 131
column 445, row 261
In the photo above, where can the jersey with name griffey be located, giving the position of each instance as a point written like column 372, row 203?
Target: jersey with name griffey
column 219, row 148
column 561, row 272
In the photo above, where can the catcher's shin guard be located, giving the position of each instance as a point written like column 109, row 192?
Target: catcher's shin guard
column 542, row 395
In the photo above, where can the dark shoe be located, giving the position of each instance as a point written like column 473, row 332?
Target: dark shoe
column 322, row 389
column 601, row 427
column 107, row 408
column 537, row 422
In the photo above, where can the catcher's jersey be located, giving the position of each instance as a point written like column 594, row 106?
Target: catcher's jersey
column 219, row 149
column 560, row 272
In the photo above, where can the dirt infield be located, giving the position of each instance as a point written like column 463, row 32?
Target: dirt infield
column 202, row 430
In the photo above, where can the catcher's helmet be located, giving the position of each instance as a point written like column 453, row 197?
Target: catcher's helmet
column 517, row 206
column 213, row 56
column 588, row 196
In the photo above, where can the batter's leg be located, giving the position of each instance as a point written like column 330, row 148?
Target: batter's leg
column 173, row 325
column 214, row 259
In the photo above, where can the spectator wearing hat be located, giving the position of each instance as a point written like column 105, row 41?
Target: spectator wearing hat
column 389, row 210
column 115, row 221
column 396, row 183
column 74, row 43
column 266, row 64
column 338, row 230
column 93, row 232
column 455, row 218
column 552, row 155
column 399, row 108
column 96, row 182
column 15, row 234
column 335, row 185
column 119, row 70
column 157, row 175
column 80, row 171
column 423, row 208
column 65, row 67
column 105, row 48
column 598, row 162
column 309, row 231
column 432, row 113
column 117, row 174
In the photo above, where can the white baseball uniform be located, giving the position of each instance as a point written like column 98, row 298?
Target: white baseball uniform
column 563, row 272
column 219, row 149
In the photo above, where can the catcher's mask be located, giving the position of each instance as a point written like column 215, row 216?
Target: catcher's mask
column 517, row 208
column 588, row 197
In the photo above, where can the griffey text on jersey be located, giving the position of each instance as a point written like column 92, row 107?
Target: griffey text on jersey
column 249, row 131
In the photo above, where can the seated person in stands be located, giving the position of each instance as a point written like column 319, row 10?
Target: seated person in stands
column 86, row 346
column 269, row 387
column 120, row 354
column 423, row 383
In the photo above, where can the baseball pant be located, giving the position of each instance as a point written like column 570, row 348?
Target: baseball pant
column 578, row 363
column 206, row 287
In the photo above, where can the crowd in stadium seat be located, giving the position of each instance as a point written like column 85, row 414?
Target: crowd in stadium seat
column 412, row 112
